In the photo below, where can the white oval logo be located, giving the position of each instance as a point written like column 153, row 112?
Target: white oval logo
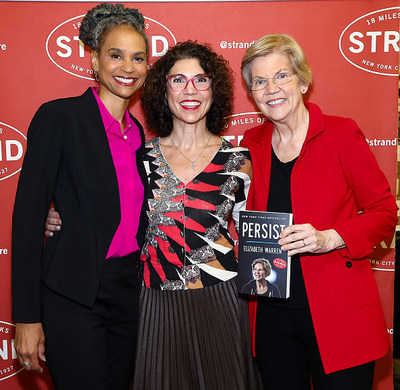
column 8, row 355
column 12, row 147
column 237, row 125
column 371, row 42
column 67, row 52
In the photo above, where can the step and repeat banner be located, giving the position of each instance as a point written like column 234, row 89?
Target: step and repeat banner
column 352, row 47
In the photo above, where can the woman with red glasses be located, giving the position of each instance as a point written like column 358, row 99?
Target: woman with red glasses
column 192, row 331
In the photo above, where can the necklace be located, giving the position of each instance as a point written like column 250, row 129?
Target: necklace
column 187, row 158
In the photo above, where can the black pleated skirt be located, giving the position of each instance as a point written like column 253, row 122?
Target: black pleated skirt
column 195, row 339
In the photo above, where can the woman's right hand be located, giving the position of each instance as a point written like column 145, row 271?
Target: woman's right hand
column 29, row 345
column 53, row 222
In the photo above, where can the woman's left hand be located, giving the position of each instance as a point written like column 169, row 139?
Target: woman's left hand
column 306, row 239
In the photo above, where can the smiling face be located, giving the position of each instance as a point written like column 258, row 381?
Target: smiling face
column 189, row 106
column 258, row 272
column 121, row 63
column 279, row 103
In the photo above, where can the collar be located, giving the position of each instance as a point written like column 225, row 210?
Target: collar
column 316, row 124
column 107, row 118
column 263, row 133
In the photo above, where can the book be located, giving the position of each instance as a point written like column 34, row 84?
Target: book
column 260, row 258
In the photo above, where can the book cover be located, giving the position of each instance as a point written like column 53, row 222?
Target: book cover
column 263, row 269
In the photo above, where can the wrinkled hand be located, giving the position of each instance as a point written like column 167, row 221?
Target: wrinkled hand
column 53, row 222
column 306, row 239
column 29, row 344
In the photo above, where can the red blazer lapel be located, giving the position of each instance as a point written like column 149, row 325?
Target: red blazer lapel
column 258, row 141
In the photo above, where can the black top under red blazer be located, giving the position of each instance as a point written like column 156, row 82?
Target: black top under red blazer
column 68, row 162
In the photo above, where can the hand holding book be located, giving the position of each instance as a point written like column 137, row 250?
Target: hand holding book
column 304, row 238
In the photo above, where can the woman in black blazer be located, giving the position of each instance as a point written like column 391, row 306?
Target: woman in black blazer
column 78, row 295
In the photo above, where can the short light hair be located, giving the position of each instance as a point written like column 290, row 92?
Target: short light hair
column 265, row 263
column 277, row 43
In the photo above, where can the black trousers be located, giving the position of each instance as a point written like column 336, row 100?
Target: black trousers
column 94, row 348
column 288, row 357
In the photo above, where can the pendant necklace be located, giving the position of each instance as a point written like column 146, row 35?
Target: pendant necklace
column 192, row 161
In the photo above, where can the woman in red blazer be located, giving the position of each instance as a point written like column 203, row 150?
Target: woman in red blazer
column 319, row 167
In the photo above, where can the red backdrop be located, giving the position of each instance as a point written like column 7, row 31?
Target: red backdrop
column 352, row 47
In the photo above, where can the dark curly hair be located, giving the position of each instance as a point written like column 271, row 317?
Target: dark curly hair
column 104, row 17
column 154, row 99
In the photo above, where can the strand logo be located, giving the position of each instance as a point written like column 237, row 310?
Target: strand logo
column 67, row 52
column 383, row 256
column 12, row 146
column 235, row 45
column 382, row 265
column 238, row 123
column 9, row 365
column 371, row 42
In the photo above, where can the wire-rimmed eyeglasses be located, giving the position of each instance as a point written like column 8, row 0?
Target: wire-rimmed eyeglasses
column 279, row 79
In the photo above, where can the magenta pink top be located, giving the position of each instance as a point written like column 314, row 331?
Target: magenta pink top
column 123, row 148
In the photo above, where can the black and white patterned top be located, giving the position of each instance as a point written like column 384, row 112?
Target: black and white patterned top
column 187, row 243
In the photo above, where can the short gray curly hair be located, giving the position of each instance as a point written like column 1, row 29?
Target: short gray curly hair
column 104, row 17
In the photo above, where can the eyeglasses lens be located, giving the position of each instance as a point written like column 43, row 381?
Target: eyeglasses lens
column 179, row 83
column 279, row 79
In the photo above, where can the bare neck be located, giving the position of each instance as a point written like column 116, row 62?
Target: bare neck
column 115, row 105
column 190, row 136
column 288, row 137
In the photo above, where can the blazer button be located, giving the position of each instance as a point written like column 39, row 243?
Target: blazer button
column 349, row 264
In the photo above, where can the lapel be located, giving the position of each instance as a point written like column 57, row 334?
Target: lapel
column 96, row 160
column 97, row 134
column 259, row 144
column 315, row 126
column 260, row 149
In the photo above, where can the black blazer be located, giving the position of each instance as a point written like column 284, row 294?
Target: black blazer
column 68, row 162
